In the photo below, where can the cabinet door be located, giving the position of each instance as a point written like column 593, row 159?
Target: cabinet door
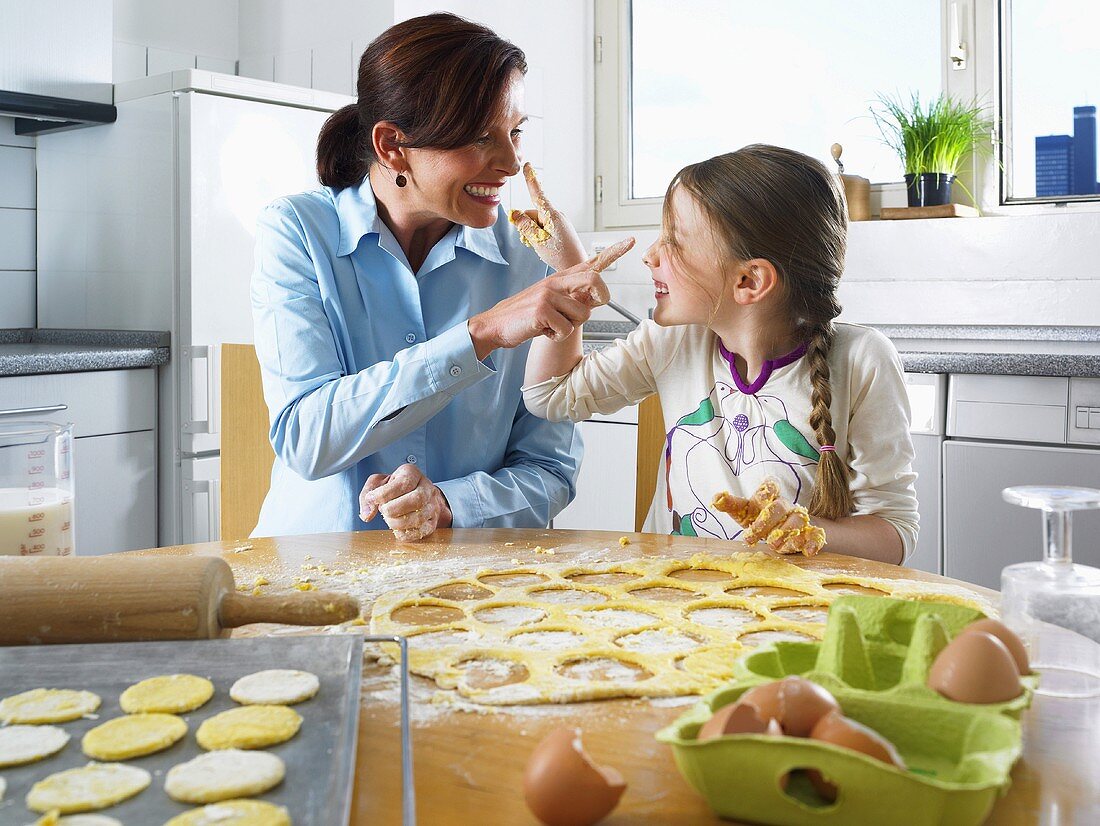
column 982, row 532
column 605, row 485
column 927, row 464
column 116, row 492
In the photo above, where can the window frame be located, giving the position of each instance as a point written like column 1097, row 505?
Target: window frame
column 985, row 29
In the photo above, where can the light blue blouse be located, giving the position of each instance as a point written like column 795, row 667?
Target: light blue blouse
column 367, row 366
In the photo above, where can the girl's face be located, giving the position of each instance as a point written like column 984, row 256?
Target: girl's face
column 463, row 185
column 685, row 265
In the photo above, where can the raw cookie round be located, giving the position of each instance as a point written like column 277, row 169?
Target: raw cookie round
column 134, row 735
column 47, row 705
column 234, row 813
column 222, row 775
column 51, row 819
column 278, row 686
column 249, row 727
column 95, row 786
column 170, row 694
column 27, row 744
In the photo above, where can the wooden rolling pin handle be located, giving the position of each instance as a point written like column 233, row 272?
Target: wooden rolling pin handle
column 310, row 608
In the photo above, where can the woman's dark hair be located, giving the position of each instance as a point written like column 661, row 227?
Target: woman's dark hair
column 439, row 78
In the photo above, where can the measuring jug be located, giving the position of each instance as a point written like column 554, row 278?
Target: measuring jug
column 36, row 488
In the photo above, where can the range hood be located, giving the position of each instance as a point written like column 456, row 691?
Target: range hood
column 37, row 114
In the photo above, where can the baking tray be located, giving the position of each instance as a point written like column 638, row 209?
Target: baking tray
column 320, row 759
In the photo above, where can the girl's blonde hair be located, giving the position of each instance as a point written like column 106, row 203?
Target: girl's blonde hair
column 787, row 208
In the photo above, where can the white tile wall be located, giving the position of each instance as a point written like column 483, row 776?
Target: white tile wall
column 294, row 68
column 168, row 60
column 17, row 227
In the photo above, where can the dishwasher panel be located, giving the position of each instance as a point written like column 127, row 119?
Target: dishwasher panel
column 982, row 532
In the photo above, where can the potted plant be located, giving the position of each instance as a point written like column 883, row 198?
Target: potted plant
column 932, row 141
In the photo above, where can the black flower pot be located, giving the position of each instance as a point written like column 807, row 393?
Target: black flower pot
column 928, row 189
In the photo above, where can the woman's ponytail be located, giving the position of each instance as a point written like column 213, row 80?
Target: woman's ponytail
column 341, row 159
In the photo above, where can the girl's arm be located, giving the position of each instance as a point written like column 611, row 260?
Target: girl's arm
column 869, row 537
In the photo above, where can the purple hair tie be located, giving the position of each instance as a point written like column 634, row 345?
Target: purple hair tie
column 827, row 449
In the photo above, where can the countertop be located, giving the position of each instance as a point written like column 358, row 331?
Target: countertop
column 25, row 352
column 986, row 349
column 469, row 760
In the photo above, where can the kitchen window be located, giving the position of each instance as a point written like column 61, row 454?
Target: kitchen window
column 1050, row 63
column 677, row 83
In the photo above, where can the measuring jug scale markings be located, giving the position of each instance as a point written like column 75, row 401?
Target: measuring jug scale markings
column 36, row 497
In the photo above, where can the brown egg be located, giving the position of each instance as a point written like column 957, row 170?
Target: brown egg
column 795, row 702
column 975, row 667
column 839, row 730
column 1006, row 635
column 563, row 787
column 736, row 718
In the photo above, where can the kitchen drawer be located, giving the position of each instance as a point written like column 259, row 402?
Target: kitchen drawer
column 1015, row 408
column 99, row 402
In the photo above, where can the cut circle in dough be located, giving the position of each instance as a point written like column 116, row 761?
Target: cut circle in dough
column 168, row 694
column 95, row 786
column 28, row 744
column 234, row 813
column 276, row 686
column 47, row 705
column 249, row 727
column 223, row 775
column 134, row 735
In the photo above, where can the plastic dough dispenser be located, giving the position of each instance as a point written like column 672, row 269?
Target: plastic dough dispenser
column 874, row 658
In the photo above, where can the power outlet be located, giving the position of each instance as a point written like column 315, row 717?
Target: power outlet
column 597, row 249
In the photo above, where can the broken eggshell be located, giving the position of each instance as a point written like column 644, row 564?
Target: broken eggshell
column 795, row 702
column 563, row 787
column 841, row 731
column 1006, row 635
column 975, row 667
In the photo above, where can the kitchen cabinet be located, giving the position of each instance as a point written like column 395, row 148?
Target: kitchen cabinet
column 113, row 413
column 606, row 483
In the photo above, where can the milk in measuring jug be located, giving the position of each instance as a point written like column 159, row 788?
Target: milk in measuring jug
column 36, row 522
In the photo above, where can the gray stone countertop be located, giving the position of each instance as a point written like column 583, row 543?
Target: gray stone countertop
column 25, row 352
column 986, row 349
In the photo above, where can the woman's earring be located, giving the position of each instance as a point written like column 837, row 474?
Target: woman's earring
column 400, row 180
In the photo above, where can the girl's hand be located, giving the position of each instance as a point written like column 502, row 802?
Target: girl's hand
column 554, row 307
column 546, row 230
column 411, row 505
column 767, row 516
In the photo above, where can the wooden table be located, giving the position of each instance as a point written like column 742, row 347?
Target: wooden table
column 469, row 765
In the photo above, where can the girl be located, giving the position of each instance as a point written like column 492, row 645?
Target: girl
column 757, row 382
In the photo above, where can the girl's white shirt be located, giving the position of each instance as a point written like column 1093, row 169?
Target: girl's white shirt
column 725, row 435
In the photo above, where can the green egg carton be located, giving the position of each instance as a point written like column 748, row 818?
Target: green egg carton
column 874, row 658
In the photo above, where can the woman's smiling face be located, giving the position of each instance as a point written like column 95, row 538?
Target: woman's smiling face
column 685, row 265
column 463, row 185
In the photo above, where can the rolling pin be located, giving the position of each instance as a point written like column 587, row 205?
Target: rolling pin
column 124, row 598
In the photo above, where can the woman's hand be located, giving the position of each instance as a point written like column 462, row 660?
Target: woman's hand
column 769, row 517
column 554, row 307
column 546, row 230
column 411, row 505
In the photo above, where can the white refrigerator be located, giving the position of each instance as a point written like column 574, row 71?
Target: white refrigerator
column 149, row 224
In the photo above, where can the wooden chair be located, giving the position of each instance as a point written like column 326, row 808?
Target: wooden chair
column 246, row 455
column 651, row 441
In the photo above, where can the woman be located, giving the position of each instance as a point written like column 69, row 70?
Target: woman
column 392, row 306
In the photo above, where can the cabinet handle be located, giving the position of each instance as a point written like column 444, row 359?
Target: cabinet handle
column 27, row 411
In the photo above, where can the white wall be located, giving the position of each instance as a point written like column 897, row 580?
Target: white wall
column 17, row 228
column 307, row 43
column 156, row 36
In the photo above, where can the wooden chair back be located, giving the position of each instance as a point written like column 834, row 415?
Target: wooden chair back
column 246, row 454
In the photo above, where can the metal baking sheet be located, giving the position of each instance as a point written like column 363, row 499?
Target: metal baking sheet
column 320, row 759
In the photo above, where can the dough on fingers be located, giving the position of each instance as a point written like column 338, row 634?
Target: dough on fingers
column 91, row 787
column 249, row 727
column 234, row 813
column 223, row 775
column 28, row 744
column 277, row 686
column 134, row 735
column 47, row 705
column 169, row 694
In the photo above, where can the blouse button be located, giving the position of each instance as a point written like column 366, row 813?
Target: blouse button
column 456, row 371
column 410, row 338
column 411, row 459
